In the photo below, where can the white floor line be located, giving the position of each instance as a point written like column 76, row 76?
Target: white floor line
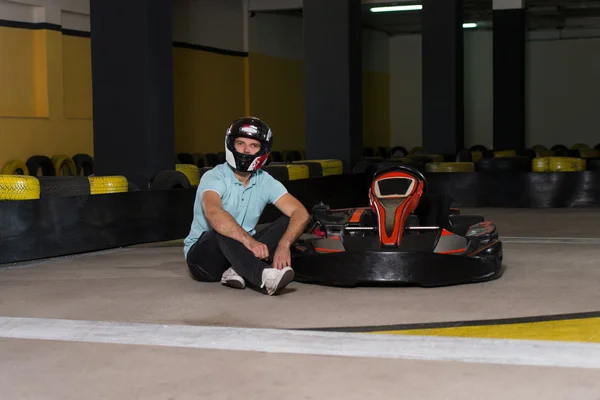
column 549, row 240
column 472, row 350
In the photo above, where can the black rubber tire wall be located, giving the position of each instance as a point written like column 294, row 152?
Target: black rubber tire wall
column 63, row 186
column 504, row 164
column 278, row 172
column 185, row 158
column 170, row 179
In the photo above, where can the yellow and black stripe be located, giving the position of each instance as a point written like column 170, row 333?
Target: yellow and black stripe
column 572, row 327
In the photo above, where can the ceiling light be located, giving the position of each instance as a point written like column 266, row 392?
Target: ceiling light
column 397, row 8
column 469, row 25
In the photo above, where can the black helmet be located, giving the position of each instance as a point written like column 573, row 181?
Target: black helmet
column 252, row 128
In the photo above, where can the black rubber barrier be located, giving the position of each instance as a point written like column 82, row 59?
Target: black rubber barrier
column 58, row 226
column 518, row 189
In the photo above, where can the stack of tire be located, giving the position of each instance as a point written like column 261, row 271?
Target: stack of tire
column 24, row 187
column 58, row 165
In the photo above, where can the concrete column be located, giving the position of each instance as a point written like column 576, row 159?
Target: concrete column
column 132, row 81
column 442, row 66
column 333, row 80
column 509, row 74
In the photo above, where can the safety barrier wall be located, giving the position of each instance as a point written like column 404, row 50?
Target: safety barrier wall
column 56, row 226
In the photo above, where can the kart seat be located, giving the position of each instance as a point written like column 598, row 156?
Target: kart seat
column 394, row 194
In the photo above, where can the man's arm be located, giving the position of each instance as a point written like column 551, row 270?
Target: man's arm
column 220, row 220
column 298, row 215
column 299, row 218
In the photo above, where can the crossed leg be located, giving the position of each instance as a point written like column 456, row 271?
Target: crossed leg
column 213, row 254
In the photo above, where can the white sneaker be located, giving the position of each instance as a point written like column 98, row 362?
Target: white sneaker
column 232, row 279
column 274, row 280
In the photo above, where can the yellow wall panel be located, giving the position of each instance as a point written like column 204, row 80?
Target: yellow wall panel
column 376, row 109
column 277, row 97
column 20, row 73
column 209, row 93
column 45, row 129
column 77, row 76
column 47, row 94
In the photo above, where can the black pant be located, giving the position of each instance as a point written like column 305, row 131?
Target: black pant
column 214, row 253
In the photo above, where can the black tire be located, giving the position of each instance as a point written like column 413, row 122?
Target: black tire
column 529, row 153
column 279, row 172
column 211, row 159
column 487, row 154
column 361, row 167
column 503, row 164
column 368, row 152
column 479, row 147
column 420, row 158
column 83, row 163
column 132, row 187
column 63, row 186
column 315, row 170
column 44, row 163
column 276, row 156
column 594, row 165
column 399, row 151
column 464, row 156
column 170, row 179
column 185, row 158
column 293, row 155
column 382, row 152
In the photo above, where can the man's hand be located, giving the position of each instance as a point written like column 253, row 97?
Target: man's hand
column 260, row 250
column 282, row 257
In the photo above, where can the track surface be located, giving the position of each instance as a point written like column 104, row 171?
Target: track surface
column 130, row 323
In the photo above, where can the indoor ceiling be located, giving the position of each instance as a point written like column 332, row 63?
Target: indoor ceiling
column 541, row 14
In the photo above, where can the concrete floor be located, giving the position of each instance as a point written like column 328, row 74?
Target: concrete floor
column 150, row 284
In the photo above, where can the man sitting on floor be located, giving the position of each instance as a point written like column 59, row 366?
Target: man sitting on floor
column 223, row 243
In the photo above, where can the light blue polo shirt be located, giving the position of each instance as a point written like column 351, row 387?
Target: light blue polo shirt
column 245, row 204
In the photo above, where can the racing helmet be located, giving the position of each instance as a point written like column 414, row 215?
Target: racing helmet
column 252, row 128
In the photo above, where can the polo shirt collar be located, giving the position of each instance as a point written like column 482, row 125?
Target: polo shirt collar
column 235, row 180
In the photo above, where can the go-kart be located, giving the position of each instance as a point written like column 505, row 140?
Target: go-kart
column 393, row 240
